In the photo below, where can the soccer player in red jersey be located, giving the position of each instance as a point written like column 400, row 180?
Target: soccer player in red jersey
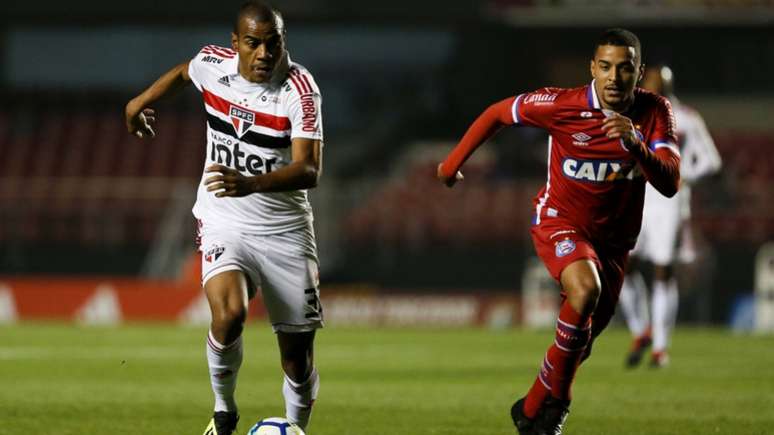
column 606, row 139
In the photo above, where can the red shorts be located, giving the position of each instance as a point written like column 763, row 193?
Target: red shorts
column 558, row 243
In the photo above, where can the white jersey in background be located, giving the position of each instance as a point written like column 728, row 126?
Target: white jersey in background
column 662, row 217
column 249, row 128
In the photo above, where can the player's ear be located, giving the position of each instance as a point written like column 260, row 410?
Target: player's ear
column 234, row 41
column 591, row 68
column 641, row 73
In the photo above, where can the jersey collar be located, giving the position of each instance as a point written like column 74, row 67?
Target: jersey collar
column 591, row 96
column 593, row 99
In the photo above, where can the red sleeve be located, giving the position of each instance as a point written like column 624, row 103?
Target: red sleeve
column 660, row 159
column 485, row 126
column 536, row 109
column 661, row 168
column 664, row 126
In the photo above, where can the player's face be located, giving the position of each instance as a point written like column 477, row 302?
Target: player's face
column 260, row 46
column 616, row 70
column 652, row 80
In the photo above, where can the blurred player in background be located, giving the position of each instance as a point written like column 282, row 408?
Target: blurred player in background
column 606, row 139
column 264, row 140
column 665, row 221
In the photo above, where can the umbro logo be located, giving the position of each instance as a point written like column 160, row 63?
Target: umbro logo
column 581, row 139
column 224, row 81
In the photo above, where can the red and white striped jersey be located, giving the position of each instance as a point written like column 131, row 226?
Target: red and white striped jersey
column 249, row 128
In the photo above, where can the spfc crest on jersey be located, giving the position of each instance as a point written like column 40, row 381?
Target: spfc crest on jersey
column 242, row 119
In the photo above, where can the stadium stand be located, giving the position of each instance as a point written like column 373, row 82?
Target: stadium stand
column 71, row 174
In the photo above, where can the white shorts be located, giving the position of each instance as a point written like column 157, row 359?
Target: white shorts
column 284, row 266
column 662, row 220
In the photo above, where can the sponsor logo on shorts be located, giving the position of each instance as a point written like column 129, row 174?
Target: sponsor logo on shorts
column 565, row 247
column 214, row 253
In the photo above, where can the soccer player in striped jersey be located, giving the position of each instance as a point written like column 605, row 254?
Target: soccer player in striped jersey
column 606, row 140
column 665, row 221
column 264, row 143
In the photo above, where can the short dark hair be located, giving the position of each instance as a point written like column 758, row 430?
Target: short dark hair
column 620, row 38
column 261, row 11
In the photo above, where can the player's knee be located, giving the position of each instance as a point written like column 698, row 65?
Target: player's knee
column 297, row 365
column 584, row 294
column 297, row 369
column 663, row 272
column 587, row 351
column 229, row 320
column 296, row 355
column 580, row 280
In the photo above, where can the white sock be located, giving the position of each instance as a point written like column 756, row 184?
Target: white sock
column 299, row 398
column 224, row 362
column 665, row 300
column 634, row 303
column 673, row 300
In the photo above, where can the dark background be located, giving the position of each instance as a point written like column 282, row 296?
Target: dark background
column 401, row 81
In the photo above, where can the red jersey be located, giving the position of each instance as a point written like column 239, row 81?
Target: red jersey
column 593, row 181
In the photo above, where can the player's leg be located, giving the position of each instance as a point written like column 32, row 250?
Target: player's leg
column 634, row 300
column 227, row 293
column 582, row 286
column 291, row 294
column 634, row 305
column 665, row 304
column 665, row 294
column 570, row 260
column 302, row 382
column 612, row 268
column 228, row 285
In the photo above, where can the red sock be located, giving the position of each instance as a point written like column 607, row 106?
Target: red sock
column 573, row 332
column 539, row 391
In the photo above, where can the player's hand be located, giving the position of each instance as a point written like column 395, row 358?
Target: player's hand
column 139, row 121
column 448, row 181
column 228, row 182
column 617, row 126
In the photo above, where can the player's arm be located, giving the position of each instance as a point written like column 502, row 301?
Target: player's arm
column 485, row 126
column 139, row 116
column 661, row 167
column 303, row 172
column 702, row 157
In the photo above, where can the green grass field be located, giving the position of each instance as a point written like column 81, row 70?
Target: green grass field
column 152, row 379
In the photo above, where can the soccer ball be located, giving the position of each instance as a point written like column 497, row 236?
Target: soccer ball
column 275, row 426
